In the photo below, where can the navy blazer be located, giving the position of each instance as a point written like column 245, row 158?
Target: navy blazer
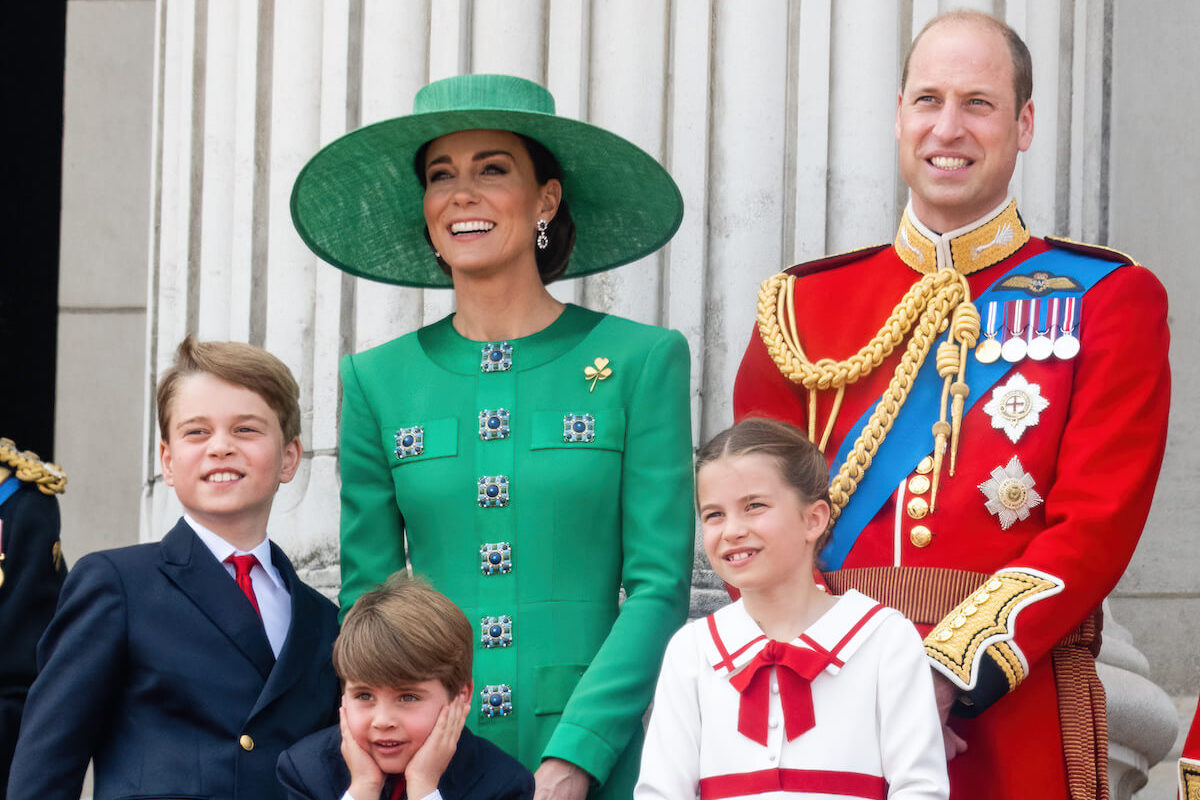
column 156, row 667
column 315, row 770
column 33, row 575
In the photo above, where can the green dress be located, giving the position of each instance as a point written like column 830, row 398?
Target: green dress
column 531, row 491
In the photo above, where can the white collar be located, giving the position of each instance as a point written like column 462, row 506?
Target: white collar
column 735, row 638
column 222, row 549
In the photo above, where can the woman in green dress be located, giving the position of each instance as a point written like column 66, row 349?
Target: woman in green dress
column 530, row 458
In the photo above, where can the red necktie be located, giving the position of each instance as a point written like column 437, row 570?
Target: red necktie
column 397, row 788
column 243, row 565
column 795, row 667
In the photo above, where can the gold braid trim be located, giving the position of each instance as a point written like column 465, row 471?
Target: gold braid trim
column 983, row 623
column 49, row 478
column 925, row 310
column 789, row 357
column 1189, row 779
column 1009, row 664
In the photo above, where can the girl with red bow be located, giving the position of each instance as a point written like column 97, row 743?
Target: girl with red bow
column 788, row 691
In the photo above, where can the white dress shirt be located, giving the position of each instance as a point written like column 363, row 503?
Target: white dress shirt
column 274, row 601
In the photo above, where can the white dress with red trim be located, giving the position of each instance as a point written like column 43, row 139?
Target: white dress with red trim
column 845, row 710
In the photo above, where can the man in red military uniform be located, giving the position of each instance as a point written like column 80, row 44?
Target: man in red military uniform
column 994, row 410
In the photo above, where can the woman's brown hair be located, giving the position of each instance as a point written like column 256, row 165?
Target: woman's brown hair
column 560, row 231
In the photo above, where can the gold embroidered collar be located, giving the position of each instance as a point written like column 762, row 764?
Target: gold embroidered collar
column 969, row 249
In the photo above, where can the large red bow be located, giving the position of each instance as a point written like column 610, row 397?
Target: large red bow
column 795, row 668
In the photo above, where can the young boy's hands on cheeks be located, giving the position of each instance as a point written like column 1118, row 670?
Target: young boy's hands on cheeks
column 366, row 778
column 424, row 770
column 430, row 761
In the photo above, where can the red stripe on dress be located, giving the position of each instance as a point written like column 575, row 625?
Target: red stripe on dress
column 747, row 646
column 857, row 627
column 725, row 661
column 845, row 784
column 815, row 645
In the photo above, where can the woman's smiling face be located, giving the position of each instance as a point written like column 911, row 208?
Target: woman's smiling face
column 483, row 201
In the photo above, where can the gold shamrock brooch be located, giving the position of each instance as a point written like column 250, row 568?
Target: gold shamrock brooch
column 599, row 372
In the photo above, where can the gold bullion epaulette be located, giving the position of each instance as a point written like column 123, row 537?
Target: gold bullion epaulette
column 1094, row 250
column 48, row 478
column 831, row 262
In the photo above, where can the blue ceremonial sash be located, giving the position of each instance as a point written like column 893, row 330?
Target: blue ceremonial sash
column 911, row 436
column 8, row 487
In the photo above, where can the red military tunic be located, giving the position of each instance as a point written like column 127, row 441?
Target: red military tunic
column 1093, row 457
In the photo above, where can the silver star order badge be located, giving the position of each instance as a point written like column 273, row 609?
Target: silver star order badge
column 1015, row 406
column 1010, row 493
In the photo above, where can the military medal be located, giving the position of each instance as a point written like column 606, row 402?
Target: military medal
column 1066, row 346
column 1040, row 346
column 1052, row 321
column 1014, row 347
column 989, row 349
column 1015, row 406
column 1010, row 493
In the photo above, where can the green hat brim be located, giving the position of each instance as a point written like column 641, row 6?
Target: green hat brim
column 359, row 205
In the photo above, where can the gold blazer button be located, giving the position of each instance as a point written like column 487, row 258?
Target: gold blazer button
column 246, row 742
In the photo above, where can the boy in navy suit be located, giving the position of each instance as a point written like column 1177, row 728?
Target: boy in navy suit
column 183, row 668
column 404, row 659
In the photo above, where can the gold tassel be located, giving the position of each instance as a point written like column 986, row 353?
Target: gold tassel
column 941, row 429
column 965, row 327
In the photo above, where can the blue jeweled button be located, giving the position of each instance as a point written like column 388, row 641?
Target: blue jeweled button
column 495, row 558
column 493, row 491
column 410, row 441
column 496, row 700
column 493, row 424
column 496, row 357
column 495, row 631
column 579, row 428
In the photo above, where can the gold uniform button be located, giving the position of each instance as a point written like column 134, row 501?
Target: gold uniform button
column 918, row 484
column 246, row 742
column 918, row 507
column 926, row 466
column 920, row 536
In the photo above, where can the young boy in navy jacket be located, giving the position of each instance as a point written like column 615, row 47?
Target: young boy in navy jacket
column 184, row 667
column 404, row 658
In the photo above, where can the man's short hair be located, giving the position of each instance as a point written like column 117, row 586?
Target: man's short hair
column 1022, row 62
column 403, row 633
column 240, row 364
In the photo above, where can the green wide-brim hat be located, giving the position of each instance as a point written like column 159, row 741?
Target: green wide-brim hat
column 359, row 205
